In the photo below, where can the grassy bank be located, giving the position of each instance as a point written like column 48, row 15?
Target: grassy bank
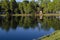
column 30, row 14
column 53, row 36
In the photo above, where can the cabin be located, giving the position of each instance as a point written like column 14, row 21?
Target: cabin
column 41, row 16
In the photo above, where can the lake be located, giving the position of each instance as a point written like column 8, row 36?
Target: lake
column 27, row 28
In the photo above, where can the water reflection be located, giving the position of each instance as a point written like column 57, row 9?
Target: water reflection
column 27, row 28
column 13, row 22
column 29, row 22
column 51, row 22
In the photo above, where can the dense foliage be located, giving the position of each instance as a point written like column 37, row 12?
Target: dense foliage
column 28, row 7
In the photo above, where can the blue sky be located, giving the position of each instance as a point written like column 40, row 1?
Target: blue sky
column 18, row 0
column 22, row 0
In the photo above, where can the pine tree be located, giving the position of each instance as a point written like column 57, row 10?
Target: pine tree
column 13, row 5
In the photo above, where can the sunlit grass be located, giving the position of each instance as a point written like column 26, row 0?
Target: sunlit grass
column 31, row 14
column 53, row 36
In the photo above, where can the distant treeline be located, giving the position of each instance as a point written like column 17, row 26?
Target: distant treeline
column 28, row 7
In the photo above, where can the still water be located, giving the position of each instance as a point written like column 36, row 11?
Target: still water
column 23, row 34
column 26, row 28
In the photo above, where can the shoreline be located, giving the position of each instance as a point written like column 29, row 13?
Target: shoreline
column 51, row 36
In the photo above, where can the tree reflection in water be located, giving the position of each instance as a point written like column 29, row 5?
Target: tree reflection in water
column 51, row 22
column 28, row 22
column 12, row 22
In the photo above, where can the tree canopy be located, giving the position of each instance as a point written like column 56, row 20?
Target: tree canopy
column 28, row 7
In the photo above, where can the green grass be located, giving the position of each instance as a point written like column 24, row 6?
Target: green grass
column 53, row 36
column 31, row 14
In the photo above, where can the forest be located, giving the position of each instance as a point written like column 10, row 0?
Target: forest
column 29, row 7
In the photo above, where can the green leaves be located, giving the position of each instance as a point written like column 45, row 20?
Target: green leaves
column 13, row 5
column 51, row 6
column 28, row 7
